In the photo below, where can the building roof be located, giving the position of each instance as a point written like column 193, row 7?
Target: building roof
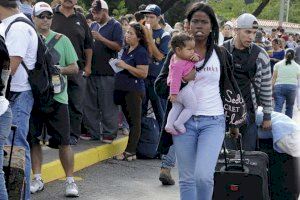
column 274, row 24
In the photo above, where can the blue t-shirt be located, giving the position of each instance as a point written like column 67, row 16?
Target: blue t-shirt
column 102, row 53
column 161, row 39
column 278, row 55
column 125, row 81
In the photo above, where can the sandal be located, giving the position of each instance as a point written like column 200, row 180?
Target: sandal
column 125, row 156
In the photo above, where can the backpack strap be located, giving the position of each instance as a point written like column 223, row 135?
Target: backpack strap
column 251, row 67
column 53, row 41
column 226, row 44
column 27, row 21
column 251, row 63
column 19, row 19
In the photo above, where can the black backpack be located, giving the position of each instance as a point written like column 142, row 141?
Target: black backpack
column 4, row 61
column 40, row 78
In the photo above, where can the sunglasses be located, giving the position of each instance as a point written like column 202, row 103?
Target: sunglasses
column 45, row 16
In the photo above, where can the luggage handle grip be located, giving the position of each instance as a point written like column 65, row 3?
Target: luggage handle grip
column 235, row 168
column 239, row 139
column 237, row 161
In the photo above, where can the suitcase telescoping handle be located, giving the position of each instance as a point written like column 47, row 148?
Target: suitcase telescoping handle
column 240, row 168
column 13, row 128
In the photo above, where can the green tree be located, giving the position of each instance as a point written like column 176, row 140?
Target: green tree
column 120, row 10
column 225, row 9
column 228, row 9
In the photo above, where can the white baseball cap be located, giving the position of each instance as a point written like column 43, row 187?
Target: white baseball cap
column 104, row 4
column 99, row 4
column 41, row 7
column 229, row 23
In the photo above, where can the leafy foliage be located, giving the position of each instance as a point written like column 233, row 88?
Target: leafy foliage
column 225, row 9
column 228, row 9
column 120, row 10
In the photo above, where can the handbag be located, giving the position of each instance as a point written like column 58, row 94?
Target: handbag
column 234, row 105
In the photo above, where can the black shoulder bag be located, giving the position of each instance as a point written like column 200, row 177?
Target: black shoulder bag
column 233, row 102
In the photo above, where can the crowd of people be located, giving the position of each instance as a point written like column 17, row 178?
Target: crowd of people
column 113, row 70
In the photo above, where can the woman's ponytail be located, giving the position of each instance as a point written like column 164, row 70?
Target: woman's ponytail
column 289, row 56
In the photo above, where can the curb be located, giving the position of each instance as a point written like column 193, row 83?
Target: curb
column 53, row 170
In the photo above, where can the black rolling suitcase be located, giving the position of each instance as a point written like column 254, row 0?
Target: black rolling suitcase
column 241, row 175
column 14, row 169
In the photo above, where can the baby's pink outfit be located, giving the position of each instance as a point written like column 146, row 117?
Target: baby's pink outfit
column 177, row 70
column 186, row 102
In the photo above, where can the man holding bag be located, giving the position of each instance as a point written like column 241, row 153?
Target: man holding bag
column 56, row 121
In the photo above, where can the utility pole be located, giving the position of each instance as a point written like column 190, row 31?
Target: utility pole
column 284, row 11
column 287, row 11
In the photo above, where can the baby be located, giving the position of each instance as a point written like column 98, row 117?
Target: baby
column 183, row 101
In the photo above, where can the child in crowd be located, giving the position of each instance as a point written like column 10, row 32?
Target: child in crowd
column 183, row 100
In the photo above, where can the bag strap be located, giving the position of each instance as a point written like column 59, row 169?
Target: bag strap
column 255, row 50
column 53, row 41
column 251, row 65
column 27, row 21
column 226, row 44
column 20, row 19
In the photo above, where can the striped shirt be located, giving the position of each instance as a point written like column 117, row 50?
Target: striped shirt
column 261, row 90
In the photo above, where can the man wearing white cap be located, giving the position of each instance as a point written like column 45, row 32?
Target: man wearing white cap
column 253, row 74
column 57, row 122
column 22, row 42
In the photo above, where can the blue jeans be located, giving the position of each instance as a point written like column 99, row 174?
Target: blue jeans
column 285, row 93
column 159, row 105
column 21, row 107
column 5, row 124
column 169, row 160
column 197, row 153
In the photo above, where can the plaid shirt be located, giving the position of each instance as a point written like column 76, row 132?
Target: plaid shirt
column 262, row 87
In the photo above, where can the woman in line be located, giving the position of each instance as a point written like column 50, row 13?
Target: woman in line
column 278, row 53
column 5, row 112
column 198, row 149
column 129, row 84
column 285, row 80
column 227, row 31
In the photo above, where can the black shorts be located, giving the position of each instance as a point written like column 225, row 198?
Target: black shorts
column 55, row 126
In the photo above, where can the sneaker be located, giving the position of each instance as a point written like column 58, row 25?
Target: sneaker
column 86, row 136
column 108, row 139
column 71, row 190
column 36, row 185
column 73, row 140
column 165, row 177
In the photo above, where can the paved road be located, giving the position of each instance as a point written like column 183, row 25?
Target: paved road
column 120, row 180
column 117, row 180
